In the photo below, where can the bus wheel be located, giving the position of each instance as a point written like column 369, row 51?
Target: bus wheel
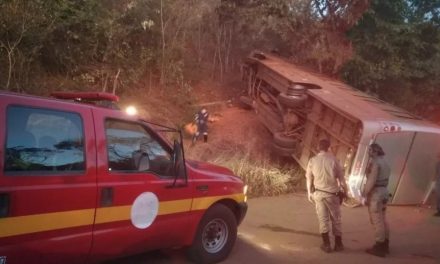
column 215, row 237
column 284, row 141
column 282, row 151
column 292, row 101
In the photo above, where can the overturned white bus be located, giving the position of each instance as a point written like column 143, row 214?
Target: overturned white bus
column 300, row 108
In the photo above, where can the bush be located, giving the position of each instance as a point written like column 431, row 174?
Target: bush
column 264, row 178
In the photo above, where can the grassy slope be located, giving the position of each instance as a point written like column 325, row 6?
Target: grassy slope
column 236, row 139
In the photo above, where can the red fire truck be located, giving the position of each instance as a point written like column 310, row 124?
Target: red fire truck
column 81, row 182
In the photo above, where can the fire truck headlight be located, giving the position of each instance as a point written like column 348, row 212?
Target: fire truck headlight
column 131, row 110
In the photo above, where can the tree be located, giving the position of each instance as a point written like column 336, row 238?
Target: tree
column 307, row 31
column 24, row 25
column 397, row 52
column 111, row 45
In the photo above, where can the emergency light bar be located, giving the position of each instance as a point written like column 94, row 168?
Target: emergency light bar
column 86, row 96
column 106, row 100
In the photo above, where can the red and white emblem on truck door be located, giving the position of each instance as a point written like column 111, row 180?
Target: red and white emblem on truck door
column 144, row 210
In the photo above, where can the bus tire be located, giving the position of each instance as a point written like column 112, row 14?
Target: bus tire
column 282, row 151
column 215, row 236
column 292, row 101
column 283, row 141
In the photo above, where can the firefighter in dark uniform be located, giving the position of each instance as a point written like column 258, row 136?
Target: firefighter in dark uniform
column 376, row 196
column 201, row 120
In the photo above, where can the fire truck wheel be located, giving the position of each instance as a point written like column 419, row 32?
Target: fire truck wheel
column 246, row 102
column 215, row 237
column 284, row 141
column 282, row 151
column 292, row 101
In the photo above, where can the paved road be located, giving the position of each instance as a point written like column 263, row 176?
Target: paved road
column 284, row 230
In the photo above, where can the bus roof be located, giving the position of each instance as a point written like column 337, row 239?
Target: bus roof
column 336, row 94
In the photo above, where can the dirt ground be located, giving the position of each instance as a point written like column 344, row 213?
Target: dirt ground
column 293, row 237
column 233, row 128
column 284, row 229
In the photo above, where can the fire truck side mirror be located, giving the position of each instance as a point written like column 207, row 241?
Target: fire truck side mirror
column 178, row 160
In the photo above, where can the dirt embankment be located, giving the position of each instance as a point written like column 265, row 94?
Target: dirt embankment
column 237, row 139
column 233, row 130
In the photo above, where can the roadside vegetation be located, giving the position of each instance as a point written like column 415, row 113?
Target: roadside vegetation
column 387, row 48
column 169, row 56
column 238, row 141
column 264, row 175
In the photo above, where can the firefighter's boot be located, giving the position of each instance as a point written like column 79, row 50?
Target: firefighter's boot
column 326, row 247
column 378, row 249
column 338, row 243
column 387, row 246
